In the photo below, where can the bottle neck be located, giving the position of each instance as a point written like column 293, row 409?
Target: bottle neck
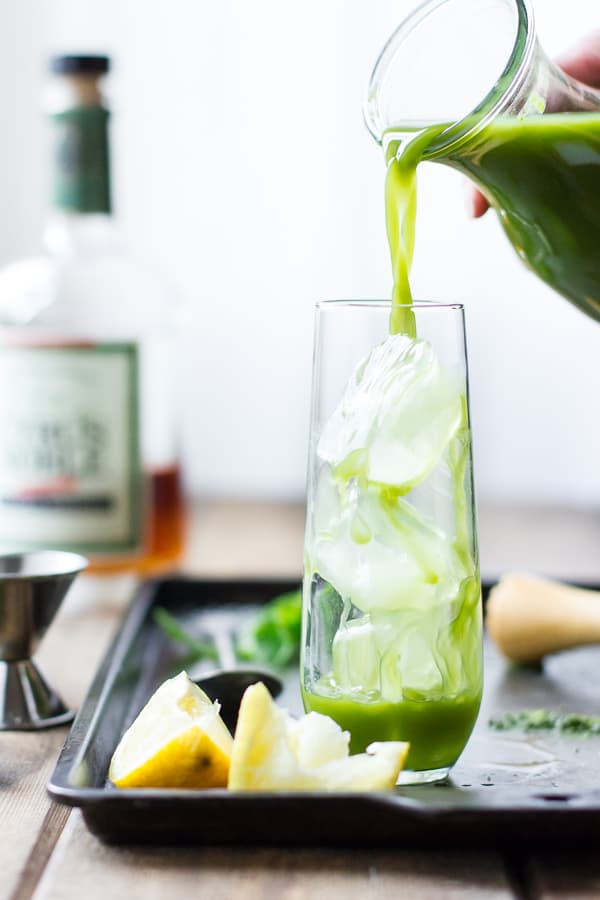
column 81, row 169
column 80, row 233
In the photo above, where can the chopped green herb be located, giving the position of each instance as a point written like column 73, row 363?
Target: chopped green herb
column 574, row 723
column 198, row 649
column 273, row 637
column 543, row 719
column 526, row 720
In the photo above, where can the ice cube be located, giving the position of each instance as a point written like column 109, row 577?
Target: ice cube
column 397, row 415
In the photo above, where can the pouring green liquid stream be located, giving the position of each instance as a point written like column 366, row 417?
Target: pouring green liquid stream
column 403, row 157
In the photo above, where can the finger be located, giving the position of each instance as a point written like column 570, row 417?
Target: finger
column 480, row 204
column 475, row 202
column 583, row 61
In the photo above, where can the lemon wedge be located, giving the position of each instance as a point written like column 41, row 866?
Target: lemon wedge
column 274, row 752
column 178, row 741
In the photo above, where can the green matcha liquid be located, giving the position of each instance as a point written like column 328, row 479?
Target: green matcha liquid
column 403, row 156
column 437, row 729
column 540, row 173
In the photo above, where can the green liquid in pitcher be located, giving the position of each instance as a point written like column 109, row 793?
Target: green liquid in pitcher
column 540, row 173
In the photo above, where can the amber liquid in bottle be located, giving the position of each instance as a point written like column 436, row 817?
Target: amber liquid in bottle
column 164, row 529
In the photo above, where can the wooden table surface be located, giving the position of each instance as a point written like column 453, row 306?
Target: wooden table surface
column 47, row 852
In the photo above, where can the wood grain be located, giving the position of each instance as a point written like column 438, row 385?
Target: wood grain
column 565, row 874
column 29, row 825
column 26, row 762
column 83, row 867
column 50, row 831
column 236, row 539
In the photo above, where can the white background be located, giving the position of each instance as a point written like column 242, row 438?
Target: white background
column 241, row 161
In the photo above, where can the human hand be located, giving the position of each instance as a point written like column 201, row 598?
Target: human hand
column 581, row 63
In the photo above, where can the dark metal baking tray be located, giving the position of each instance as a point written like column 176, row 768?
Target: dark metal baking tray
column 507, row 786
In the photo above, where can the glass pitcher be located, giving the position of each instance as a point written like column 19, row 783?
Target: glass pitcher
column 472, row 74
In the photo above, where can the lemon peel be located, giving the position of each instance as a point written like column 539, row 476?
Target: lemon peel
column 178, row 740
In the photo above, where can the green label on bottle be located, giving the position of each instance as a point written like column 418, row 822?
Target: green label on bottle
column 81, row 160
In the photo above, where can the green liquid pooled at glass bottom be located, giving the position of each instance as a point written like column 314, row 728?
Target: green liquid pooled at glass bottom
column 437, row 729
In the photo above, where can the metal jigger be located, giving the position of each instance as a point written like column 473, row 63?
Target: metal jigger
column 32, row 588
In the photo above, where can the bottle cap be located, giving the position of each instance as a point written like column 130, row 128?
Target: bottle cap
column 79, row 65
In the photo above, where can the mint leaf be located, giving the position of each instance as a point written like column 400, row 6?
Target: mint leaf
column 273, row 636
column 174, row 630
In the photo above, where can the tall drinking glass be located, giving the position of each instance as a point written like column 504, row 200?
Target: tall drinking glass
column 391, row 644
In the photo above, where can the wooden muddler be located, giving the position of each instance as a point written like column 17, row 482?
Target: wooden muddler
column 530, row 617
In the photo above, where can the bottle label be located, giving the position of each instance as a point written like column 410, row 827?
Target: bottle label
column 70, row 468
column 81, row 162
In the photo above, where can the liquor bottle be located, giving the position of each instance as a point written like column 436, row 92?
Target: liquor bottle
column 88, row 456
